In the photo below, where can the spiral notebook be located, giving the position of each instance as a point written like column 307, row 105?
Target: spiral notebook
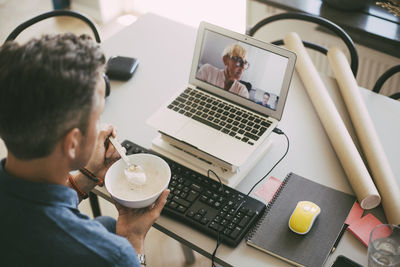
column 272, row 234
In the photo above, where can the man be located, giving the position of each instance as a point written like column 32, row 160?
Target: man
column 265, row 99
column 51, row 98
column 234, row 58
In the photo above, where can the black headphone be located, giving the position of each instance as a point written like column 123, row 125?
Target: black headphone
column 56, row 13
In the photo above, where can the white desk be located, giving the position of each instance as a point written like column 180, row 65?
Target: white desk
column 164, row 49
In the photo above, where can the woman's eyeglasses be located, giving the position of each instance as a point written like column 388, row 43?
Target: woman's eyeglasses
column 240, row 62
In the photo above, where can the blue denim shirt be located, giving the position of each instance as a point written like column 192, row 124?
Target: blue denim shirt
column 40, row 225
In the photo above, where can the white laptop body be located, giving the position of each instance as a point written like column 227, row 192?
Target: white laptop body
column 270, row 70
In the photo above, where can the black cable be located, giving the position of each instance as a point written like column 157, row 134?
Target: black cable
column 277, row 131
column 219, row 229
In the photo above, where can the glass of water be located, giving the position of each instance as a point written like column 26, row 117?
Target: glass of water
column 384, row 246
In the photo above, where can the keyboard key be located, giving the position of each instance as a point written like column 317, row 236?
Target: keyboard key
column 181, row 209
column 180, row 99
column 244, row 221
column 190, row 213
column 173, row 204
column 202, row 212
column 196, row 187
column 235, row 232
column 209, row 123
column 204, row 198
column 197, row 217
column 216, row 226
column 205, row 220
column 227, row 231
column 251, row 136
column 192, row 196
column 181, row 201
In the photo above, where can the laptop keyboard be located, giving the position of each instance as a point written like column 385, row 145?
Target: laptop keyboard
column 220, row 115
column 201, row 203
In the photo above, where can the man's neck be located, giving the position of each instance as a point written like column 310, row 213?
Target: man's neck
column 48, row 169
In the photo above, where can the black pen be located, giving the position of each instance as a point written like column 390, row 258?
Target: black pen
column 339, row 237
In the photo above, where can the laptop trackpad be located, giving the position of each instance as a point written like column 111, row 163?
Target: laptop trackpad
column 196, row 134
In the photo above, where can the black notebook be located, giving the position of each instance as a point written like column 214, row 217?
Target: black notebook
column 273, row 235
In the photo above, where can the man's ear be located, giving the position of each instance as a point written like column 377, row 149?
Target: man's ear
column 71, row 143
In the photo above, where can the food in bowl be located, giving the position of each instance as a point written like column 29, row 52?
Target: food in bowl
column 135, row 175
column 132, row 195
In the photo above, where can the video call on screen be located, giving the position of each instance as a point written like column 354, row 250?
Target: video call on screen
column 264, row 73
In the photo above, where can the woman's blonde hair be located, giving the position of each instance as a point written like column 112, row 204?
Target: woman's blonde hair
column 234, row 50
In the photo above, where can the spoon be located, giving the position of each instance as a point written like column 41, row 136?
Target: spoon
column 134, row 173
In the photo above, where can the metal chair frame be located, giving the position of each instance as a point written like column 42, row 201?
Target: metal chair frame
column 321, row 22
column 384, row 77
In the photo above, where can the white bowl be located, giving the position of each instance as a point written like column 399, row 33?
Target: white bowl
column 158, row 175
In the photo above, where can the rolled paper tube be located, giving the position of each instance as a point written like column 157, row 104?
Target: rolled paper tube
column 352, row 163
column 366, row 133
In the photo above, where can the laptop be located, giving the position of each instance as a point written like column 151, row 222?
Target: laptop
column 235, row 97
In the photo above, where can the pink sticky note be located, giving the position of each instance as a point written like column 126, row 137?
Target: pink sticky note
column 355, row 213
column 268, row 189
column 361, row 228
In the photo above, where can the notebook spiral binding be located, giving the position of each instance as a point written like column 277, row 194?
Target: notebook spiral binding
column 270, row 204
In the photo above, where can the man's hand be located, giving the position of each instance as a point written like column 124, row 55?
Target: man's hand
column 104, row 154
column 135, row 223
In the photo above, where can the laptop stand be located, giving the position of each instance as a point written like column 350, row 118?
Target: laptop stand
column 200, row 165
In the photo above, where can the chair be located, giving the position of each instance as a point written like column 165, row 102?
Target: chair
column 383, row 78
column 58, row 13
column 94, row 201
column 321, row 22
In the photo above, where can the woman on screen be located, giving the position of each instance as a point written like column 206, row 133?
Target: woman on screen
column 234, row 58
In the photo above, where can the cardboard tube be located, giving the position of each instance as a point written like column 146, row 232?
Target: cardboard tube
column 366, row 133
column 351, row 161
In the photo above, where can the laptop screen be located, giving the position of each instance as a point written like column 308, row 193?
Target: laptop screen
column 243, row 67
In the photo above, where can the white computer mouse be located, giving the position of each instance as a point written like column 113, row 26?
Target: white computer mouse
column 303, row 217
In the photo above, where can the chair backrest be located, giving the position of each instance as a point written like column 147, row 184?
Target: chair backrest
column 384, row 77
column 53, row 13
column 321, row 22
column 57, row 13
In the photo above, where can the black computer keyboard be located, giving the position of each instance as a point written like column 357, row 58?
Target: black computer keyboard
column 201, row 202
